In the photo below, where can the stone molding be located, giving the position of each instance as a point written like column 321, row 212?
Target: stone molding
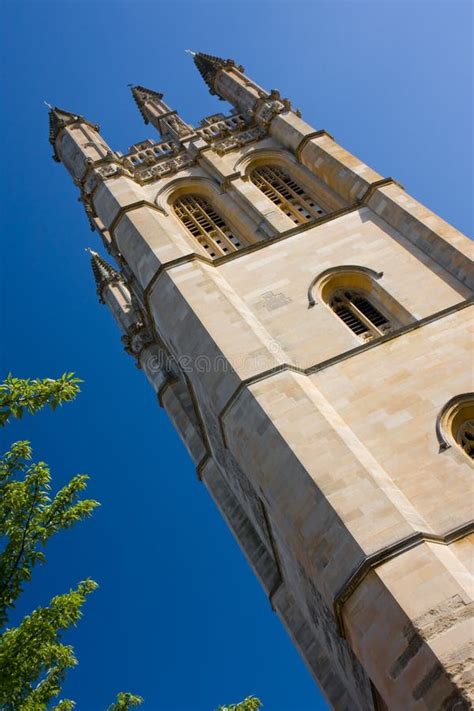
column 202, row 465
column 379, row 184
column 129, row 208
column 297, row 229
column 194, row 256
column 334, row 270
column 309, row 137
column 317, row 367
column 383, row 555
column 163, row 388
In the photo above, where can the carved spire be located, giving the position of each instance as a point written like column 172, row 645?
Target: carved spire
column 104, row 273
column 58, row 119
column 155, row 111
column 123, row 305
column 208, row 65
column 142, row 96
column 226, row 79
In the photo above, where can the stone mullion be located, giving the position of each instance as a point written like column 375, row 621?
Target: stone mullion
column 216, row 228
column 205, row 235
column 285, row 204
column 298, row 198
column 366, row 321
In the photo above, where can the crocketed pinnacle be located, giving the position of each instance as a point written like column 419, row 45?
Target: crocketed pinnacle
column 141, row 95
column 58, row 119
column 104, row 273
column 208, row 66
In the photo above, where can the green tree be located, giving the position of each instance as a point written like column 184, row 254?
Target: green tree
column 251, row 703
column 33, row 660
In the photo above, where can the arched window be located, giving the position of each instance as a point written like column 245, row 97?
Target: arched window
column 353, row 293
column 285, row 192
column 356, row 309
column 206, row 225
column 455, row 424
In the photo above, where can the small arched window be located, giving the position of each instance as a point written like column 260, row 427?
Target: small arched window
column 356, row 309
column 206, row 225
column 455, row 424
column 285, row 192
column 353, row 293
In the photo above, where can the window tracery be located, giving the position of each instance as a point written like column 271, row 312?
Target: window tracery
column 286, row 193
column 206, row 225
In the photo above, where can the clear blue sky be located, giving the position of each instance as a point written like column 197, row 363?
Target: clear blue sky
column 179, row 616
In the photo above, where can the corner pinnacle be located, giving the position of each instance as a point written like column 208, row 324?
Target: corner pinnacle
column 103, row 272
column 208, row 65
column 141, row 95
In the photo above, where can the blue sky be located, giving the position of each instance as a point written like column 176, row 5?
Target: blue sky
column 179, row 617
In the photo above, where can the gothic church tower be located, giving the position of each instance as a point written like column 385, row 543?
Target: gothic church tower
column 304, row 322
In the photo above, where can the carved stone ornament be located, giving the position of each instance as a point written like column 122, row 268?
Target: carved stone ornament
column 137, row 338
column 164, row 167
column 240, row 139
column 267, row 109
column 178, row 126
column 149, row 161
column 221, row 127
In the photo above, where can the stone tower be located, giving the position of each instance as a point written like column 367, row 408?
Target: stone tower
column 304, row 323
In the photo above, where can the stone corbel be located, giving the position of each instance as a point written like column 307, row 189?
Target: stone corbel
column 228, row 180
column 137, row 338
column 266, row 109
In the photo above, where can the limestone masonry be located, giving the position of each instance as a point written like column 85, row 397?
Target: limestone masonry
column 306, row 325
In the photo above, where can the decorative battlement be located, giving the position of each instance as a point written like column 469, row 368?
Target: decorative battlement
column 218, row 126
column 148, row 152
column 149, row 160
column 252, row 107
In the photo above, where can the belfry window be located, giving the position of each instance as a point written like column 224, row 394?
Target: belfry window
column 355, row 308
column 206, row 225
column 285, row 192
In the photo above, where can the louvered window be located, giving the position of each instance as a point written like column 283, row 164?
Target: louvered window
column 285, row 192
column 359, row 314
column 465, row 437
column 206, row 225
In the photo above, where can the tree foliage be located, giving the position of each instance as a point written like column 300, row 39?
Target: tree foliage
column 33, row 659
column 251, row 703
column 125, row 701
column 20, row 394
column 29, row 517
